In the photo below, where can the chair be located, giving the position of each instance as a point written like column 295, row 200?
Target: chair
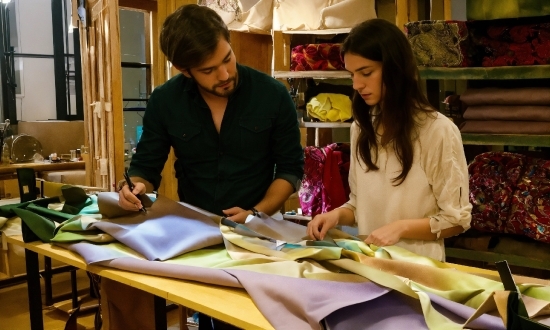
column 29, row 191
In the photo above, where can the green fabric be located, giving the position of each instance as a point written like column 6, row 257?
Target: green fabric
column 259, row 140
column 42, row 227
column 76, row 229
column 518, row 318
column 50, row 214
column 495, row 9
column 7, row 210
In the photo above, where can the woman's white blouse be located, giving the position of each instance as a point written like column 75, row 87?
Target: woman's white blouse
column 436, row 186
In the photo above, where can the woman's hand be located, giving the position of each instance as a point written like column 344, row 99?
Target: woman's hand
column 319, row 226
column 386, row 235
column 127, row 199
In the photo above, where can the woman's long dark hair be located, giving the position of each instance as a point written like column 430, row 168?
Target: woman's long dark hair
column 402, row 98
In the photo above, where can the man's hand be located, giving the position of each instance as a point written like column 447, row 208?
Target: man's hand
column 237, row 214
column 386, row 235
column 319, row 226
column 127, row 199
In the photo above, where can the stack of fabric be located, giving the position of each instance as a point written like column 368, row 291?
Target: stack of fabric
column 508, row 43
column 506, row 111
column 325, row 56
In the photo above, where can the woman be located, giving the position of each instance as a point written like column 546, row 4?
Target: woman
column 408, row 175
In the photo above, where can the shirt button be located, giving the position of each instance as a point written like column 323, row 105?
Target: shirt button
column 184, row 134
column 221, row 153
column 256, row 128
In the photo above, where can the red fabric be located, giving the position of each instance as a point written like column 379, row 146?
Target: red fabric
column 309, row 57
column 325, row 184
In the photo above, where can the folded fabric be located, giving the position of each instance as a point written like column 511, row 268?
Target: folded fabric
column 321, row 14
column 439, row 43
column 505, row 127
column 508, row 112
column 325, row 56
column 506, row 96
column 496, row 9
column 329, row 107
column 244, row 15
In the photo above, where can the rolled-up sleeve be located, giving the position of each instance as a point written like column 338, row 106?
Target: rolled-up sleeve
column 447, row 171
column 288, row 153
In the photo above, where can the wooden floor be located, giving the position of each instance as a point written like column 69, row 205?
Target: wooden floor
column 14, row 313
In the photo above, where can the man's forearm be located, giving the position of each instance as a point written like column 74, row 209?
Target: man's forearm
column 276, row 195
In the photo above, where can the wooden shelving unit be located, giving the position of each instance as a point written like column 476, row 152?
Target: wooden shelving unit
column 477, row 73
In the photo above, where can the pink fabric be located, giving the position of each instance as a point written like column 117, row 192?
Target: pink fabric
column 325, row 185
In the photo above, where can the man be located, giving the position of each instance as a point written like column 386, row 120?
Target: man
column 234, row 130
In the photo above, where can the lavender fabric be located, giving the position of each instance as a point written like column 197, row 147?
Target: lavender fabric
column 391, row 311
column 463, row 313
column 167, row 230
column 286, row 302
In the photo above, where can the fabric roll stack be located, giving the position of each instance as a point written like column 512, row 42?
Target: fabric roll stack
column 506, row 111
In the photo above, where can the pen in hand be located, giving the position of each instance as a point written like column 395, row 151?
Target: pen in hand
column 131, row 187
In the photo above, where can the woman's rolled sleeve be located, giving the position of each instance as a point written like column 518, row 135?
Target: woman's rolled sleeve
column 448, row 173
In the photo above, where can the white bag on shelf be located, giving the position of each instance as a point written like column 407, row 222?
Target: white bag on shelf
column 321, row 14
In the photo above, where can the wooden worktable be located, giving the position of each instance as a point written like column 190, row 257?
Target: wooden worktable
column 230, row 305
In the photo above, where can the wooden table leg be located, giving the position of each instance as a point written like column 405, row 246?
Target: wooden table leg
column 160, row 313
column 34, row 291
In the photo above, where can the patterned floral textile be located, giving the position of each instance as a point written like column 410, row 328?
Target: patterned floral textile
column 325, row 184
column 325, row 56
column 439, row 43
column 511, row 194
column 493, row 178
column 531, row 202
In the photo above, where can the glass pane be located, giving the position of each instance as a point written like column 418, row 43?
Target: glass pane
column 68, row 27
column 38, row 90
column 134, row 86
column 132, row 36
column 35, row 26
column 14, row 39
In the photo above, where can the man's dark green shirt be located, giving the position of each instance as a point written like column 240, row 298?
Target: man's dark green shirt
column 259, row 141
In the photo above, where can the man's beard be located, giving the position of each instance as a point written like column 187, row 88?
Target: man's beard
column 223, row 92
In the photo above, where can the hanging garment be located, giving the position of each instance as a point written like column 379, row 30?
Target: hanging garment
column 325, row 185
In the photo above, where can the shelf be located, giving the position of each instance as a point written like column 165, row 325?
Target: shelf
column 312, row 74
column 506, row 139
column 314, row 124
column 316, row 32
column 478, row 73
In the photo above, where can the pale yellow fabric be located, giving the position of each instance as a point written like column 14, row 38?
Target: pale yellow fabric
column 436, row 186
column 329, row 107
column 320, row 14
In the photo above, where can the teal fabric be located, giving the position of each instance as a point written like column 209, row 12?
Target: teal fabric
column 496, row 9
column 259, row 141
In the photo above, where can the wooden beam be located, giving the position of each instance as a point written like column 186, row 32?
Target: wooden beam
column 146, row 5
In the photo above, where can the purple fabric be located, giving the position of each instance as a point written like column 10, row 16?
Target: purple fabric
column 387, row 312
column 299, row 303
column 460, row 313
column 167, row 230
